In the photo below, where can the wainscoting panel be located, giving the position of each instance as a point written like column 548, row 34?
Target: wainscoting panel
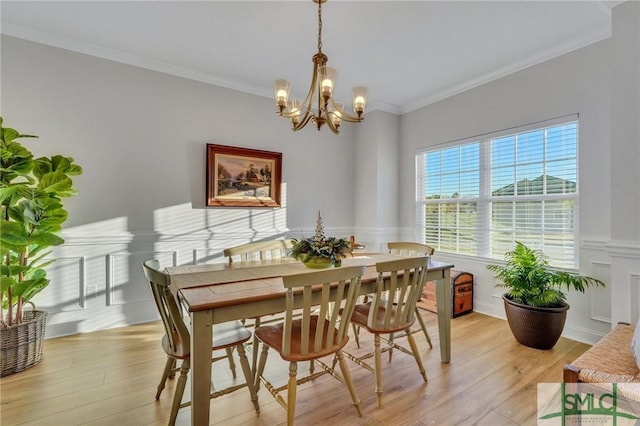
column 125, row 279
column 601, row 297
column 67, row 290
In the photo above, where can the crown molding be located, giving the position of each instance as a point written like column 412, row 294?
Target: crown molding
column 78, row 46
column 590, row 38
column 74, row 45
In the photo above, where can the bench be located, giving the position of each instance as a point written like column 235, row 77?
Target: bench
column 611, row 357
column 610, row 360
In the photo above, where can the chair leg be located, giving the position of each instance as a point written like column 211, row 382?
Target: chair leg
column 346, row 374
column 172, row 373
column 356, row 334
column 261, row 364
column 416, row 355
column 423, row 326
column 167, row 370
column 254, row 351
column 378, row 368
column 232, row 363
column 248, row 376
column 292, row 388
column 177, row 396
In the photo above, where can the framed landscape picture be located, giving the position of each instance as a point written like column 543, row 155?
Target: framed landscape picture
column 242, row 177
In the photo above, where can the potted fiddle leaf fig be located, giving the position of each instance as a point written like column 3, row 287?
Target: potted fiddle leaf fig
column 32, row 213
column 534, row 301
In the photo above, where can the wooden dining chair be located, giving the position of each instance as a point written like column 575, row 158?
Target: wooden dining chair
column 258, row 250
column 317, row 334
column 407, row 248
column 176, row 341
column 391, row 310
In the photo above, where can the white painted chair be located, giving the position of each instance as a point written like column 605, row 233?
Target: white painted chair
column 176, row 341
column 391, row 310
column 255, row 251
column 318, row 333
column 259, row 250
column 403, row 248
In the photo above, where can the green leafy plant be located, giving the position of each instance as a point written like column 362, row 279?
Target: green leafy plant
column 32, row 214
column 331, row 248
column 320, row 247
column 529, row 279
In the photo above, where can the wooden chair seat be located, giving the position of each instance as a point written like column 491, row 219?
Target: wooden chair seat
column 226, row 335
column 271, row 335
column 376, row 324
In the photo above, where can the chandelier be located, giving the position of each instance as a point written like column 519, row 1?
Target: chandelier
column 322, row 86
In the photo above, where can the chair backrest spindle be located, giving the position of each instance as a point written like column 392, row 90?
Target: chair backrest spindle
column 259, row 250
column 340, row 285
column 409, row 248
column 406, row 278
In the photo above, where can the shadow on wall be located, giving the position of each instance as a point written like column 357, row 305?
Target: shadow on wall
column 97, row 280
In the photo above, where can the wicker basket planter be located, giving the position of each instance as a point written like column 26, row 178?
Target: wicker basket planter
column 21, row 344
column 535, row 327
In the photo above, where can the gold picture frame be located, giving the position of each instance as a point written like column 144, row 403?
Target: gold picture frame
column 243, row 177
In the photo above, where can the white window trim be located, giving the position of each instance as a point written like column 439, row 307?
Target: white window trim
column 483, row 201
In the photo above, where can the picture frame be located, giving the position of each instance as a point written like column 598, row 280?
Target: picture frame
column 243, row 177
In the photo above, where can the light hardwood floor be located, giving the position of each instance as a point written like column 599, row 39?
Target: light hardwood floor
column 110, row 377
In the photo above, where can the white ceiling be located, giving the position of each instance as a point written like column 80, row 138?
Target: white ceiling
column 409, row 53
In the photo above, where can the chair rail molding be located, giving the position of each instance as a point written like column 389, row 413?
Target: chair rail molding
column 624, row 249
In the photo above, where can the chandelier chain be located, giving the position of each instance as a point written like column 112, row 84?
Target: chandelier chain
column 319, row 26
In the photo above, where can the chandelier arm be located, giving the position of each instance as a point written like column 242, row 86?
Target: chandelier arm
column 308, row 100
column 314, row 80
column 330, row 124
column 351, row 119
column 345, row 116
column 307, row 116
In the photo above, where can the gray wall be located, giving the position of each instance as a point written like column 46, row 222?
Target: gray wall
column 140, row 136
column 599, row 82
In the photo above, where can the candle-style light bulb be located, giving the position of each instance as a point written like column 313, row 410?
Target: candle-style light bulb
column 360, row 94
column 327, row 82
column 282, row 88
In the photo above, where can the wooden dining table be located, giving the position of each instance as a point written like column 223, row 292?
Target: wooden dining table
column 217, row 293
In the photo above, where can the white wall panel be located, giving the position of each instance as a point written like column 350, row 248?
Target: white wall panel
column 67, row 289
column 600, row 297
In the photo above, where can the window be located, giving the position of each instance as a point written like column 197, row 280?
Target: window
column 477, row 197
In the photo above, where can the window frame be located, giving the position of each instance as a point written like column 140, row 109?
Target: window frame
column 484, row 232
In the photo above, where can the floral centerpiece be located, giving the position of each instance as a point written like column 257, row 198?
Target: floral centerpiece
column 319, row 251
